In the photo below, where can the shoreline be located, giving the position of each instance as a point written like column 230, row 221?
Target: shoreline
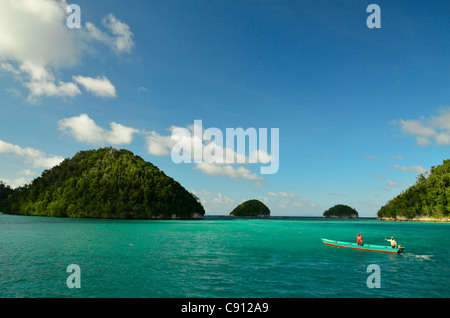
column 228, row 217
column 416, row 219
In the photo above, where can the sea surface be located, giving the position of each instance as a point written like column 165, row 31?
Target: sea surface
column 218, row 257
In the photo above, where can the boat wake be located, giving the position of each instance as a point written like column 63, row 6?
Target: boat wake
column 419, row 258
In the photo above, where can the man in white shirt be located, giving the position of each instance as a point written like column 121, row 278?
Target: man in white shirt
column 393, row 242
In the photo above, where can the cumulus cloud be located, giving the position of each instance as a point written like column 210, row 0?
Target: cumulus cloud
column 35, row 31
column 100, row 86
column 428, row 131
column 84, row 129
column 35, row 39
column 15, row 183
column 414, row 127
column 35, row 42
column 202, row 145
column 227, row 170
column 120, row 39
column 42, row 82
column 205, row 148
column 33, row 156
column 158, row 145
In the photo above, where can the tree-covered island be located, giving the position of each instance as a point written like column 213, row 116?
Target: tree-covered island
column 253, row 208
column 427, row 200
column 341, row 211
column 103, row 183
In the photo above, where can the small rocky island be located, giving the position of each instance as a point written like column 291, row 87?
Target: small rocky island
column 341, row 211
column 253, row 208
column 106, row 183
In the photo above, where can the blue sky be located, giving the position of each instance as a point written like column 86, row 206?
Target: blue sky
column 360, row 112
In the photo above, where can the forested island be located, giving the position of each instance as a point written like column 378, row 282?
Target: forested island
column 253, row 208
column 427, row 200
column 341, row 211
column 103, row 183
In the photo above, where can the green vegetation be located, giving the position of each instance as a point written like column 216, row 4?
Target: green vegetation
column 341, row 211
column 5, row 191
column 429, row 197
column 251, row 208
column 103, row 183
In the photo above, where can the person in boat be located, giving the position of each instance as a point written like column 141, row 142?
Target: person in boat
column 359, row 239
column 393, row 242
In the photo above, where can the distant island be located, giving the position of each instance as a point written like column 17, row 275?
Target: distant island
column 341, row 211
column 254, row 208
column 103, row 183
column 427, row 200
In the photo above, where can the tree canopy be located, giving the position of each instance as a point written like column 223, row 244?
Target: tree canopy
column 5, row 191
column 340, row 211
column 103, row 183
column 251, row 208
column 428, row 197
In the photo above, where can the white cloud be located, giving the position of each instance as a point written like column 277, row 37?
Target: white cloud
column 442, row 121
column 15, row 183
column 33, row 156
column 84, row 129
column 443, row 138
column 100, row 86
column 121, row 39
column 158, row 145
column 35, row 43
column 41, row 82
column 35, row 31
column 290, row 199
column 26, row 176
column 46, row 88
column 187, row 140
column 414, row 168
column 220, row 199
column 35, row 38
column 27, row 172
column 227, row 170
column 427, row 129
column 9, row 68
column 422, row 141
column 414, row 127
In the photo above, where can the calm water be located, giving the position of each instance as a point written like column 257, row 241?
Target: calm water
column 218, row 257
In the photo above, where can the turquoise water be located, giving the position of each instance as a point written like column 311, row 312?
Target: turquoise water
column 219, row 257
